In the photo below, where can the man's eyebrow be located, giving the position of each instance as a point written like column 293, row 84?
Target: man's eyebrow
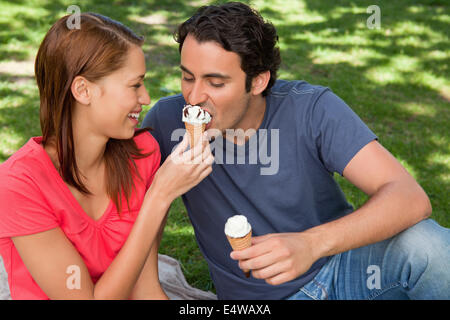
column 216, row 75
column 208, row 75
column 186, row 69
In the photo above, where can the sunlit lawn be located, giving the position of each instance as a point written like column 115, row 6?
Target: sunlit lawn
column 396, row 78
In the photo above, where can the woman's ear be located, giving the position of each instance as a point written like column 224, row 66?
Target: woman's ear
column 81, row 90
column 259, row 83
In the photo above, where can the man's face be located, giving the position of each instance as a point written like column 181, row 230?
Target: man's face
column 213, row 79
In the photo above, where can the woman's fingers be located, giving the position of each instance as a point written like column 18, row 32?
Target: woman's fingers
column 205, row 157
column 182, row 146
column 205, row 173
column 199, row 153
column 184, row 169
column 178, row 154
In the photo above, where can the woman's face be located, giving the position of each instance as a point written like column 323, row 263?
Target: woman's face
column 117, row 99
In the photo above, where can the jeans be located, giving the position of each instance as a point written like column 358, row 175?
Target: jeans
column 415, row 264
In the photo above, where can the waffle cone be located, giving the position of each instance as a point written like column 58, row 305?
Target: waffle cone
column 240, row 244
column 195, row 132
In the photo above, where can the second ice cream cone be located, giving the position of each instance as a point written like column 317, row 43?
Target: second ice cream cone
column 240, row 244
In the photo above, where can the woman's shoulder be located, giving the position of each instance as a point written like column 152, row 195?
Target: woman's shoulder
column 146, row 142
column 29, row 159
column 23, row 182
column 149, row 164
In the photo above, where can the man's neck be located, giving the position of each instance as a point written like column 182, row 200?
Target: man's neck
column 251, row 123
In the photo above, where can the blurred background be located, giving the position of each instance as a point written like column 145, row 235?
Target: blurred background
column 395, row 77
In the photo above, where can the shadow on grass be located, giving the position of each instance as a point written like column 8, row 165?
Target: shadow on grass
column 411, row 135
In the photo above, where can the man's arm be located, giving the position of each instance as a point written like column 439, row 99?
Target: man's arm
column 396, row 202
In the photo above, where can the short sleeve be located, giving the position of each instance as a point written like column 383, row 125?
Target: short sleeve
column 338, row 131
column 23, row 209
column 147, row 144
column 151, row 121
column 155, row 162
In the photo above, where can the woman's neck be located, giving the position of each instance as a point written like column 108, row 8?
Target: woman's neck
column 89, row 152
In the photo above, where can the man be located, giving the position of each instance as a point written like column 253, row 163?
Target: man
column 309, row 241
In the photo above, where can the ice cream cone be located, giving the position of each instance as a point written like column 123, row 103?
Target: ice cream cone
column 240, row 244
column 195, row 132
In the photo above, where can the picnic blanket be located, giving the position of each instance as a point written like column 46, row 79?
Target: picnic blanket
column 171, row 277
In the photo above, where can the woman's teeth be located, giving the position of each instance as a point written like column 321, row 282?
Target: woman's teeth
column 134, row 115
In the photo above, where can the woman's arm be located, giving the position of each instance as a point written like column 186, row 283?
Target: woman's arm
column 148, row 286
column 58, row 268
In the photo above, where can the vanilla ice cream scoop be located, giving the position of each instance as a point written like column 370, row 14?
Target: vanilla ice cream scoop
column 195, row 115
column 237, row 226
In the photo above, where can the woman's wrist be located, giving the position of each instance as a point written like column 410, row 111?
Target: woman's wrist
column 158, row 197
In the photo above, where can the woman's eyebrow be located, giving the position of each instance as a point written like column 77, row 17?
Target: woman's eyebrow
column 140, row 77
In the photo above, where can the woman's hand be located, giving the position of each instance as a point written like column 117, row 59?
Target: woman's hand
column 183, row 169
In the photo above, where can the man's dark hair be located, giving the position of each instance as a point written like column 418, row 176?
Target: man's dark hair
column 239, row 29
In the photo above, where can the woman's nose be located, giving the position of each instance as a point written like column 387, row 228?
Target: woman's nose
column 144, row 97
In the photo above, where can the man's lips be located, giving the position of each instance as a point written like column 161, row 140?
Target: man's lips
column 206, row 110
column 208, row 125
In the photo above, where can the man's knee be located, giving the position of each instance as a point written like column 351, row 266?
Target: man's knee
column 427, row 239
column 425, row 248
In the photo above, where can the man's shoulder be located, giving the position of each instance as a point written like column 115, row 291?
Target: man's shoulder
column 297, row 94
column 174, row 101
column 167, row 109
column 295, row 87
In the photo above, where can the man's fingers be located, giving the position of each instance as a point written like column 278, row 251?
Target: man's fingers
column 279, row 278
column 259, row 262
column 249, row 253
column 269, row 271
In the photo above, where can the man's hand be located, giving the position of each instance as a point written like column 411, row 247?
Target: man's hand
column 277, row 257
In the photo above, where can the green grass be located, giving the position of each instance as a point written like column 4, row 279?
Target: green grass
column 395, row 78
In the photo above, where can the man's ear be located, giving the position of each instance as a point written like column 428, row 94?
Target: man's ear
column 259, row 83
column 81, row 90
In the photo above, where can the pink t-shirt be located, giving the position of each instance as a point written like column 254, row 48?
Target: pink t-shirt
column 34, row 198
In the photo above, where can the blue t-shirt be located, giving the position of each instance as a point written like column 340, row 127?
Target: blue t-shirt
column 281, row 179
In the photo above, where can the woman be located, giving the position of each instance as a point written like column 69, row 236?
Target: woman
column 82, row 208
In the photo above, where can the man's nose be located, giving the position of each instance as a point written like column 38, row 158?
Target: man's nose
column 197, row 95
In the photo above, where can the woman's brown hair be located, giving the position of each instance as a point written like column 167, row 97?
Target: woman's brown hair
column 95, row 50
